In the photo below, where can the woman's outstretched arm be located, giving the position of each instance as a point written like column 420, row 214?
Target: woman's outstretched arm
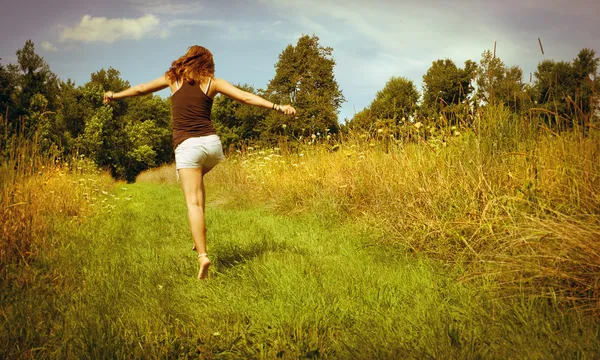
column 141, row 89
column 225, row 88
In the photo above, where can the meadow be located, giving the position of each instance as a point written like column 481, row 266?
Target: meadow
column 406, row 242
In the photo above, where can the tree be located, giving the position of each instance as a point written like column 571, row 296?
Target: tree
column 397, row 100
column 568, row 91
column 446, row 87
column 33, row 76
column 7, row 87
column 304, row 77
column 234, row 121
column 497, row 84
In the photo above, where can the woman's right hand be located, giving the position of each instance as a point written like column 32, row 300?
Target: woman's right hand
column 287, row 109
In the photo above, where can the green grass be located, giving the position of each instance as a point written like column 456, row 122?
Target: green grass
column 122, row 284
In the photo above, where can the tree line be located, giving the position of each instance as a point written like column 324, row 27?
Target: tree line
column 132, row 135
column 563, row 93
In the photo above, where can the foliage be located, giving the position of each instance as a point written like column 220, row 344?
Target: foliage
column 396, row 101
column 304, row 77
column 568, row 92
column 447, row 87
column 235, row 122
column 497, row 84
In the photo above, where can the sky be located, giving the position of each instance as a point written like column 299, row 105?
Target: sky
column 372, row 40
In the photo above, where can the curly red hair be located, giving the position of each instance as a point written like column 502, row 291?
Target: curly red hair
column 196, row 65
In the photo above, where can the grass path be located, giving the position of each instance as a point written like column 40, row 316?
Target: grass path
column 123, row 285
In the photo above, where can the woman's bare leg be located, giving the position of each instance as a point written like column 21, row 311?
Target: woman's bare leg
column 192, row 184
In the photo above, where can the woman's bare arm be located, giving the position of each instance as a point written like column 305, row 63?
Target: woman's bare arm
column 141, row 89
column 225, row 88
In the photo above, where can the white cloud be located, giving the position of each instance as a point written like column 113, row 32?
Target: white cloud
column 49, row 47
column 228, row 30
column 166, row 7
column 197, row 22
column 101, row 29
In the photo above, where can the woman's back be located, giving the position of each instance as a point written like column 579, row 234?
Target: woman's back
column 191, row 113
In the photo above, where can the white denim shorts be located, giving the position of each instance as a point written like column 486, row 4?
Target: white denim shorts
column 198, row 152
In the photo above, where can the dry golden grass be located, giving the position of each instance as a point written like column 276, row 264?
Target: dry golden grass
column 162, row 175
column 34, row 188
column 517, row 203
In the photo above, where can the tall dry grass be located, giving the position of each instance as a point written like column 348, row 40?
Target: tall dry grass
column 507, row 196
column 35, row 188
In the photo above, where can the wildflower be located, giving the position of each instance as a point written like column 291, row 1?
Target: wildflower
column 250, row 148
column 328, row 137
column 313, row 136
column 418, row 125
column 301, row 154
column 284, row 126
column 403, row 119
column 453, row 128
column 326, row 130
column 363, row 136
column 457, row 133
column 379, row 131
column 295, row 165
column 372, row 144
column 318, row 134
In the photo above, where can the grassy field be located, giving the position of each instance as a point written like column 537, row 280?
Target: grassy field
column 122, row 284
column 407, row 242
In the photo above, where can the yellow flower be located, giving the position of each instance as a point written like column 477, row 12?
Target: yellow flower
column 418, row 125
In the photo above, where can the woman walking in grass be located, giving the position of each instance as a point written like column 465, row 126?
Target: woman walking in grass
column 197, row 147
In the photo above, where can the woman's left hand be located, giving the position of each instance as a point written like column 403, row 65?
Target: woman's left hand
column 108, row 97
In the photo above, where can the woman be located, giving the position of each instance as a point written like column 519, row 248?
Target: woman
column 197, row 147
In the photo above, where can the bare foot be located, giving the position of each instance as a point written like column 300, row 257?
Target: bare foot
column 204, row 265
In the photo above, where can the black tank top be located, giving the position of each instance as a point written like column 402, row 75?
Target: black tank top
column 191, row 113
